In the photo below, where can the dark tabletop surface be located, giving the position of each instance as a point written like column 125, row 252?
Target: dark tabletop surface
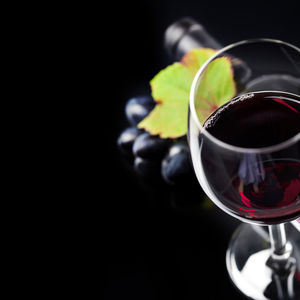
column 162, row 242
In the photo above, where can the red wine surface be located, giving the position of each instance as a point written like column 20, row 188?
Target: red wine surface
column 257, row 120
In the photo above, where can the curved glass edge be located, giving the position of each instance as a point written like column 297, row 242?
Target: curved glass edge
column 220, row 143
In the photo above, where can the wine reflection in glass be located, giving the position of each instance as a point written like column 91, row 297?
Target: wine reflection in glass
column 246, row 156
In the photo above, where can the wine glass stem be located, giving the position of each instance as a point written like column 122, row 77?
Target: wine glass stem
column 282, row 262
column 278, row 239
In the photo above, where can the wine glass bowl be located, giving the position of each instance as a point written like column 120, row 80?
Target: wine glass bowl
column 244, row 139
column 258, row 185
column 246, row 153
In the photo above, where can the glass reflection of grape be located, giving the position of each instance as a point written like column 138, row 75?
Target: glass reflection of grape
column 246, row 156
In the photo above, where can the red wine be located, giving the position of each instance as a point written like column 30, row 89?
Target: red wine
column 264, row 187
column 278, row 186
column 257, row 120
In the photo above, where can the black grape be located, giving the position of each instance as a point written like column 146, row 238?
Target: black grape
column 176, row 166
column 127, row 138
column 147, row 168
column 138, row 108
column 153, row 157
column 150, row 147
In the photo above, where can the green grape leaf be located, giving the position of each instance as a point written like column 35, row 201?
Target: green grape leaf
column 171, row 89
column 215, row 88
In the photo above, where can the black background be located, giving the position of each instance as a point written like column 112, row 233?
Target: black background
column 160, row 242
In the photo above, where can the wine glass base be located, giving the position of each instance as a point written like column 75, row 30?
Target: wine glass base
column 248, row 264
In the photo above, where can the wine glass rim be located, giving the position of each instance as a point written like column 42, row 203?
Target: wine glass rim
column 220, row 143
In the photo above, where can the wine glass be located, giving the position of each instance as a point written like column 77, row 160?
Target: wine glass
column 246, row 156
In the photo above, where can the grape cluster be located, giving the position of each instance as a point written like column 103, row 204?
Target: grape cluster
column 168, row 159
